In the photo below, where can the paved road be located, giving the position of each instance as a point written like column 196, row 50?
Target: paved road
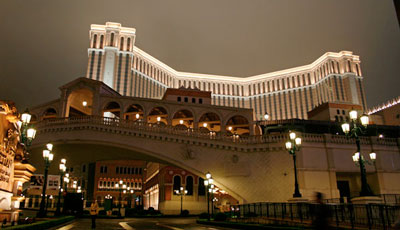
column 140, row 223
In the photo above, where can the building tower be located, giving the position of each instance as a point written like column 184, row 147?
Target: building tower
column 110, row 55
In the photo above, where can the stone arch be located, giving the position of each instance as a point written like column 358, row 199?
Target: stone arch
column 49, row 113
column 134, row 112
column 238, row 124
column 79, row 102
column 112, row 109
column 158, row 114
column 210, row 121
column 183, row 117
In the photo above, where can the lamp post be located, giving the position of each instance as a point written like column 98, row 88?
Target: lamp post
column 28, row 133
column 48, row 158
column 66, row 180
column 208, row 183
column 293, row 145
column 354, row 130
column 63, row 168
column 181, row 192
column 119, row 186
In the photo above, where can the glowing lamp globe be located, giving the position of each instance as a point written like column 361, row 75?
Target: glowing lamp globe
column 288, row 145
column 292, row 135
column 353, row 114
column 346, row 127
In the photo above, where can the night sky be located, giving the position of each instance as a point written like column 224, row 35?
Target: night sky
column 43, row 44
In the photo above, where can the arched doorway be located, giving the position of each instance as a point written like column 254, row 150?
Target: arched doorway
column 112, row 110
column 134, row 112
column 158, row 115
column 210, row 122
column 183, row 119
column 238, row 125
column 49, row 113
column 79, row 103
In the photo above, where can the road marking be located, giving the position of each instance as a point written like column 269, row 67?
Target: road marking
column 170, row 227
column 66, row 227
column 126, row 226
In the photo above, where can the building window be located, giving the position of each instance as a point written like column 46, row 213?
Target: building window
column 71, row 169
column 201, row 188
column 200, row 101
column 101, row 169
column 189, row 185
column 112, row 39
column 193, row 100
column 117, row 170
column 338, row 111
column 179, row 99
column 105, row 169
column 125, row 170
column 336, row 118
column 177, row 183
column 186, row 99
column 140, row 171
column 84, row 168
column 343, row 112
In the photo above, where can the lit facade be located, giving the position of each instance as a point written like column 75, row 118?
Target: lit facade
column 291, row 93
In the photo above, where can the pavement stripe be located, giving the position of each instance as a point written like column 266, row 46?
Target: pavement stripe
column 66, row 227
column 170, row 227
column 125, row 225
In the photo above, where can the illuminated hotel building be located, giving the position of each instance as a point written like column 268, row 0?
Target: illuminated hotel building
column 291, row 93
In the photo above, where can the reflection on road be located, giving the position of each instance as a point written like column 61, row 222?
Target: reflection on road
column 140, row 223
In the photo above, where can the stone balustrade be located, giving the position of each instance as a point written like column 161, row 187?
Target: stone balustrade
column 193, row 136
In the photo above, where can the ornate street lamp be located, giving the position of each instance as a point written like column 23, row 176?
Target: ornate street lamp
column 63, row 168
column 28, row 133
column 66, row 180
column 48, row 158
column 208, row 182
column 293, row 145
column 120, row 186
column 181, row 193
column 354, row 130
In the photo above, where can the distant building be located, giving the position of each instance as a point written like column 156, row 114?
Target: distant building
column 338, row 112
column 188, row 95
column 387, row 113
column 334, row 77
column 107, row 175
column 162, row 183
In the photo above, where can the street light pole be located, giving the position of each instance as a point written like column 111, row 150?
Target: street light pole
column 353, row 130
column 292, row 146
column 181, row 193
column 208, row 182
column 27, row 132
column 63, row 168
column 48, row 157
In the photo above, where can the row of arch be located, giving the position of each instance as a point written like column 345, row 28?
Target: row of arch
column 107, row 183
column 189, row 185
column 181, row 119
column 125, row 43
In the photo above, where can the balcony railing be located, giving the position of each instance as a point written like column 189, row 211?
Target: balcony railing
column 371, row 216
column 127, row 126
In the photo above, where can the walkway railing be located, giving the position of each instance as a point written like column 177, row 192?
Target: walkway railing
column 196, row 133
column 372, row 216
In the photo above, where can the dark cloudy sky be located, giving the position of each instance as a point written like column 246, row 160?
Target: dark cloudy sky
column 43, row 44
